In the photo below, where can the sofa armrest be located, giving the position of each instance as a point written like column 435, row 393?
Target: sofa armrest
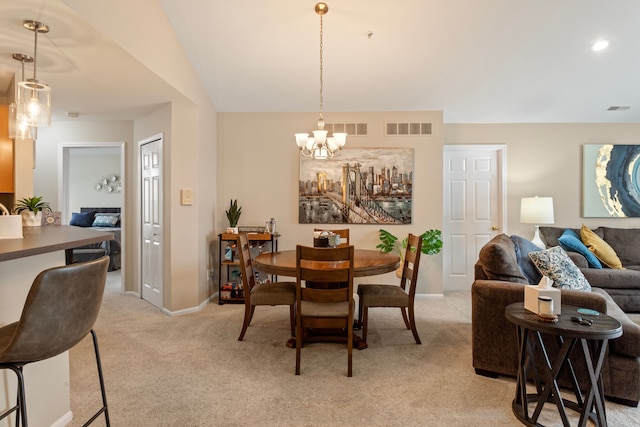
column 494, row 341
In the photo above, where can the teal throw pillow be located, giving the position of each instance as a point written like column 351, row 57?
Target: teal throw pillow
column 105, row 221
column 570, row 241
column 556, row 265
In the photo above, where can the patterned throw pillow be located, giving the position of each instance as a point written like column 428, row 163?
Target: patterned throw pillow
column 600, row 248
column 556, row 265
column 105, row 221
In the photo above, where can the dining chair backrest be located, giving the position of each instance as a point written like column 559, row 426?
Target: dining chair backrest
column 411, row 264
column 325, row 265
column 246, row 264
column 343, row 233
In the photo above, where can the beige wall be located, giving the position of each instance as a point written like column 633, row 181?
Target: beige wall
column 546, row 160
column 258, row 164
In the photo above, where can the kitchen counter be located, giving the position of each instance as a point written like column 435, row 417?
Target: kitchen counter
column 40, row 240
column 47, row 382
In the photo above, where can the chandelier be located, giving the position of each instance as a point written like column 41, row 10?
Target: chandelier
column 319, row 146
column 33, row 101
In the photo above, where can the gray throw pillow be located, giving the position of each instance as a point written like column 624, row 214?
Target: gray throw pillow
column 523, row 248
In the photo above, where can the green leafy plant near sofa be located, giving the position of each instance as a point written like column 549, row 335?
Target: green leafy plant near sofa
column 431, row 243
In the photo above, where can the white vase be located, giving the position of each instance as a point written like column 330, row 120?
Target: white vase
column 31, row 219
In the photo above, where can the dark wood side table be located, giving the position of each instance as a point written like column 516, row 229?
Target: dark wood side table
column 593, row 342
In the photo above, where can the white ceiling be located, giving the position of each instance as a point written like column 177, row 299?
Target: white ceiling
column 491, row 61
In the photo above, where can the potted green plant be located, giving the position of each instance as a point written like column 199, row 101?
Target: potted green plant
column 233, row 215
column 31, row 210
column 431, row 244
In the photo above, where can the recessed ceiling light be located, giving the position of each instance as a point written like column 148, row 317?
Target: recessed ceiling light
column 600, row 45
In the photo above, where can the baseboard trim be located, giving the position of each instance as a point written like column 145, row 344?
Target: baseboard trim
column 64, row 420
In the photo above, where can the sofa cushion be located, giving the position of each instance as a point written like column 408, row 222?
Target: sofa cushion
column 600, row 248
column 624, row 242
column 497, row 259
column 570, row 241
column 105, row 221
column 84, row 219
column 523, row 247
column 556, row 264
column 629, row 343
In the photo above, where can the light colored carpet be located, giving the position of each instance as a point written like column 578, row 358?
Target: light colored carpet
column 191, row 371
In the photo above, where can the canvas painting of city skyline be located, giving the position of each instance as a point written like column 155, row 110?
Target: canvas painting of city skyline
column 360, row 186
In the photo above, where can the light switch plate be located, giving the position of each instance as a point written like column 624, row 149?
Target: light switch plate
column 186, row 197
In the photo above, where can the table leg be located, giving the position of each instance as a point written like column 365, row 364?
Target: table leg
column 595, row 392
column 551, row 372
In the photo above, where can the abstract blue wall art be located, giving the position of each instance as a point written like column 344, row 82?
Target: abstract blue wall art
column 611, row 180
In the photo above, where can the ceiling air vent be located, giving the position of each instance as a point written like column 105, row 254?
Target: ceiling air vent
column 357, row 129
column 409, row 129
column 618, row 108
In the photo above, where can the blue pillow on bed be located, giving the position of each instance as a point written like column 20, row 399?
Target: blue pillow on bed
column 106, row 221
column 570, row 241
column 84, row 219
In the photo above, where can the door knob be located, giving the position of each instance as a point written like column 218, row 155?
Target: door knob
column 494, row 228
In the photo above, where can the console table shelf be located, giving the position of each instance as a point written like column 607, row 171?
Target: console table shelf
column 230, row 290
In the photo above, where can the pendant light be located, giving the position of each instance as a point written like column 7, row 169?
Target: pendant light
column 319, row 146
column 18, row 125
column 34, row 96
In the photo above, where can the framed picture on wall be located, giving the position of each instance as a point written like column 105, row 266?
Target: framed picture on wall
column 360, row 186
column 611, row 180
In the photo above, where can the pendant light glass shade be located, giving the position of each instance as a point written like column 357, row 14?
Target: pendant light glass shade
column 34, row 102
column 18, row 127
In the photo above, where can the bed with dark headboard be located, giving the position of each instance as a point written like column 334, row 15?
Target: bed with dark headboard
column 100, row 219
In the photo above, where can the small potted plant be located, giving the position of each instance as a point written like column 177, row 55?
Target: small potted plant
column 431, row 244
column 233, row 215
column 31, row 210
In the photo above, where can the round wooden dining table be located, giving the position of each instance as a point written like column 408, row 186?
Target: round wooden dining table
column 367, row 262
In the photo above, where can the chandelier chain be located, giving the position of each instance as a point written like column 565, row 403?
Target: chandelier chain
column 321, row 64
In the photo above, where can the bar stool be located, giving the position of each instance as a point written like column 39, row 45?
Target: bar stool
column 60, row 310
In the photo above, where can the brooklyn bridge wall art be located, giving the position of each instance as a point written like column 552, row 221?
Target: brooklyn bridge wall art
column 611, row 180
column 360, row 186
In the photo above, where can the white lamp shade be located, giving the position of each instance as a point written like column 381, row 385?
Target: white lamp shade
column 536, row 210
column 18, row 126
column 301, row 139
column 320, row 136
column 34, row 102
column 340, row 138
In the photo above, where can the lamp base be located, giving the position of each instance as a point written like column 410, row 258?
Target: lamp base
column 537, row 240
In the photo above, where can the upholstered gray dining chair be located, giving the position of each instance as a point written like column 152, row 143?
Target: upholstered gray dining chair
column 60, row 310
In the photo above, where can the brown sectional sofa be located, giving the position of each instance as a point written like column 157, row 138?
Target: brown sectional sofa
column 499, row 281
column 622, row 285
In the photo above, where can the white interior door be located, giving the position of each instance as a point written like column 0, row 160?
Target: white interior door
column 474, row 208
column 151, row 221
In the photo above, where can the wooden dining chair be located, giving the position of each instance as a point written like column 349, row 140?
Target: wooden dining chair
column 278, row 293
column 324, row 308
column 343, row 233
column 372, row 295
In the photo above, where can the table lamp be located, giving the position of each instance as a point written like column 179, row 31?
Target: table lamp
column 536, row 210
